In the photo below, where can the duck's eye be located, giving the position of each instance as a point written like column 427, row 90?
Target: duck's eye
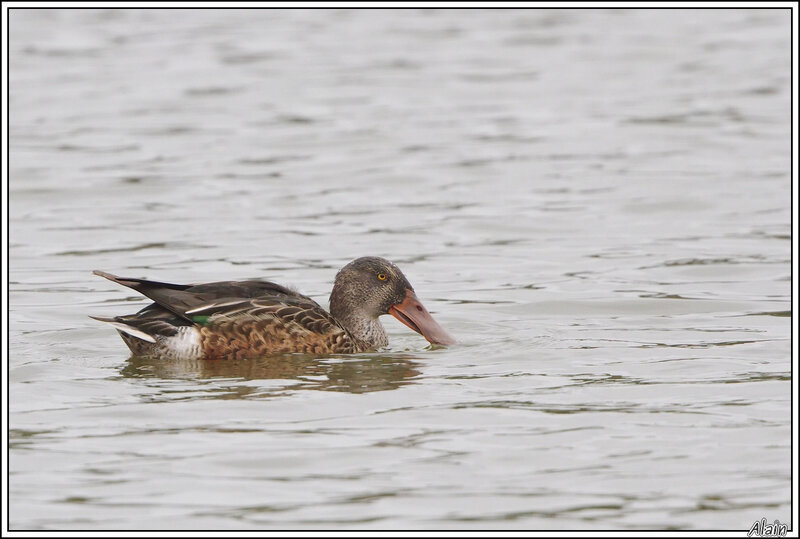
column 381, row 276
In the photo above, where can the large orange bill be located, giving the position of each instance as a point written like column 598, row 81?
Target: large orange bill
column 413, row 314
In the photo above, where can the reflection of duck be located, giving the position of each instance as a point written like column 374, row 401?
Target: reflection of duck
column 357, row 375
column 246, row 319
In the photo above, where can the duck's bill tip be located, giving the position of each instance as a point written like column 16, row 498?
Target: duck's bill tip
column 413, row 314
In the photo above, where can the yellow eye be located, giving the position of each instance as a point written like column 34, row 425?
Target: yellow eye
column 381, row 276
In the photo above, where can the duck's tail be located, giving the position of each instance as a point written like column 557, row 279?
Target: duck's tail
column 125, row 328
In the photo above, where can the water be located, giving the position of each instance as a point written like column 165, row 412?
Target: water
column 595, row 202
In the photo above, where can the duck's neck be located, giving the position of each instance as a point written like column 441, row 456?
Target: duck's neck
column 361, row 326
column 364, row 329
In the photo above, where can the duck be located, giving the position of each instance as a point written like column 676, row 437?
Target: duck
column 256, row 318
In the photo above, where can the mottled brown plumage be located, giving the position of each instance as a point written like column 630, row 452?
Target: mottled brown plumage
column 238, row 338
column 248, row 319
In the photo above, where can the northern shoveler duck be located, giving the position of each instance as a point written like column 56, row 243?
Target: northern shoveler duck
column 249, row 319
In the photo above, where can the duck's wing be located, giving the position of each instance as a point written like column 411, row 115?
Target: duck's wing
column 300, row 312
column 205, row 303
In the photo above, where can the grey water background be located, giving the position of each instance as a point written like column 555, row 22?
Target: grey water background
column 595, row 202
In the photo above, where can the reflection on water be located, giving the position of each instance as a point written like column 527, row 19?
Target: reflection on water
column 360, row 374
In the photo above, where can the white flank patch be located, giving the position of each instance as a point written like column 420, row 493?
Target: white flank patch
column 185, row 344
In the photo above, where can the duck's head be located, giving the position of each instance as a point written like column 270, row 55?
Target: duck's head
column 369, row 287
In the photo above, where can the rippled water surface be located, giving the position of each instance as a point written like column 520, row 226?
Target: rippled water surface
column 596, row 202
